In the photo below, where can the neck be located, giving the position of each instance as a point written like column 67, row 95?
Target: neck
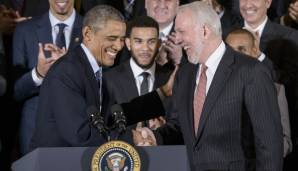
column 210, row 47
column 62, row 17
column 256, row 25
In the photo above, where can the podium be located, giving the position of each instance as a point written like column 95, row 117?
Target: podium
column 165, row 158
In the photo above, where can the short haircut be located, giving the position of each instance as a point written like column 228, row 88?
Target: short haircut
column 141, row 21
column 204, row 14
column 243, row 32
column 99, row 15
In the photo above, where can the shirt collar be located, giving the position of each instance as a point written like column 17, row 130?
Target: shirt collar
column 166, row 31
column 214, row 59
column 260, row 28
column 91, row 58
column 137, row 70
column 69, row 21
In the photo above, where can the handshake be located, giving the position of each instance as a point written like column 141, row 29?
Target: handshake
column 143, row 136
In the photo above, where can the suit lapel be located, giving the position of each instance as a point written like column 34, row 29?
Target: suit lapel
column 192, row 80
column 129, row 81
column 218, row 83
column 268, row 33
column 89, row 73
column 44, row 31
column 76, row 35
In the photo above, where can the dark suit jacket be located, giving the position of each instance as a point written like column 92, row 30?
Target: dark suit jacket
column 122, row 88
column 121, row 82
column 229, row 21
column 273, row 31
column 68, row 90
column 240, row 125
column 25, row 51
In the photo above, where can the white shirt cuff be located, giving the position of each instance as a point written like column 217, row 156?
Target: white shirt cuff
column 36, row 80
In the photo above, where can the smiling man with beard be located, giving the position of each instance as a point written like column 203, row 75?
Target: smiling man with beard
column 140, row 74
column 74, row 83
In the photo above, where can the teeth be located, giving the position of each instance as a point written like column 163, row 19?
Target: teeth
column 111, row 53
column 61, row 4
column 250, row 12
column 185, row 47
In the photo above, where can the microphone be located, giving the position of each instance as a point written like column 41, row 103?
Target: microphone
column 2, row 85
column 119, row 118
column 97, row 121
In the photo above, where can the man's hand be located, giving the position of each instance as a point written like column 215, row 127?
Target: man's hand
column 156, row 123
column 173, row 48
column 43, row 63
column 293, row 11
column 9, row 19
column 143, row 137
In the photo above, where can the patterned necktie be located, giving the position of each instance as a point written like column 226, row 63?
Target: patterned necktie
column 144, row 88
column 128, row 9
column 60, row 39
column 199, row 97
column 98, row 76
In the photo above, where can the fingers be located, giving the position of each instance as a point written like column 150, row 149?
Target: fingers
column 144, row 137
column 40, row 51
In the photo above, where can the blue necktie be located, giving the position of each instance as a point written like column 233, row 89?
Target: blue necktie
column 60, row 39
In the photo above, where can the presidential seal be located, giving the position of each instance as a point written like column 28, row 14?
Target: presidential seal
column 116, row 156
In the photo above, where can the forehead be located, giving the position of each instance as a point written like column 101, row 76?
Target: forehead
column 183, row 19
column 159, row 1
column 136, row 31
column 240, row 39
column 113, row 26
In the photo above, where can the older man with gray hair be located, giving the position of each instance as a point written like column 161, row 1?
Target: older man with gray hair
column 225, row 103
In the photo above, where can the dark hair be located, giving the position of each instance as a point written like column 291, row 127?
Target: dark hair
column 141, row 21
column 100, row 14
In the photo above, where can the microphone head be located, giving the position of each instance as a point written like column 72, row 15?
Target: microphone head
column 116, row 108
column 92, row 110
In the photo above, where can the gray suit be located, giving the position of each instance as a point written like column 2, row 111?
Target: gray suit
column 240, row 125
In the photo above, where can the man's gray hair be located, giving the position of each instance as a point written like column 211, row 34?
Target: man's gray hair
column 204, row 14
column 99, row 15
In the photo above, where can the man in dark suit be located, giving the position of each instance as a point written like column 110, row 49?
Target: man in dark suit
column 225, row 102
column 140, row 74
column 75, row 82
column 59, row 30
column 273, row 38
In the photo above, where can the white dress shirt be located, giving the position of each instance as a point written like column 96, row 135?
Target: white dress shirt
column 259, row 29
column 55, row 29
column 137, row 73
column 212, row 64
column 165, row 32
column 67, row 30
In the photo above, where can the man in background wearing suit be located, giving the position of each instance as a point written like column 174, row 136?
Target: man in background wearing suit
column 225, row 103
column 140, row 74
column 244, row 41
column 55, row 31
column 164, row 12
column 274, row 38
